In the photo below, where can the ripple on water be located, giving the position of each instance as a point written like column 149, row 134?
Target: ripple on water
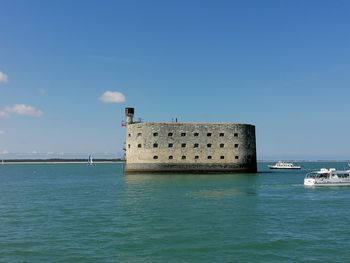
column 70, row 213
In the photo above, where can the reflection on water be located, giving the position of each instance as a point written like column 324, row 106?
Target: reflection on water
column 190, row 186
column 167, row 177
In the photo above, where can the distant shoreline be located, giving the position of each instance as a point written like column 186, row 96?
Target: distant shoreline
column 58, row 161
column 77, row 161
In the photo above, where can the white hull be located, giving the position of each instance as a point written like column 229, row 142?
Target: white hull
column 330, row 177
column 320, row 184
column 284, row 165
column 286, row 168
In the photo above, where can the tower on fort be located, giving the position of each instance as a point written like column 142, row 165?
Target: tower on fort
column 188, row 147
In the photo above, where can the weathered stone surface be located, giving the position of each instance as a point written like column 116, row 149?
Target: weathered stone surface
column 190, row 147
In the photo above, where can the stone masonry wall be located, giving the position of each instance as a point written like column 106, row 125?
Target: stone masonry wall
column 153, row 147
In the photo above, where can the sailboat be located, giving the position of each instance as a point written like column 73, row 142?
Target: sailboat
column 90, row 162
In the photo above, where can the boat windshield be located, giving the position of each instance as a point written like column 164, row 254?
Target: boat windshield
column 317, row 175
column 311, row 175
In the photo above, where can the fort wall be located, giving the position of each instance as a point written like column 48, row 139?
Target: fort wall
column 190, row 147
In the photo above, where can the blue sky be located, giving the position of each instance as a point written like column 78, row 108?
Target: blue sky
column 283, row 66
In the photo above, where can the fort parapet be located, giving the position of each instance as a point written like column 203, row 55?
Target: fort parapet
column 189, row 147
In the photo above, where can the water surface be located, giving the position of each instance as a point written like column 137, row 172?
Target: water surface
column 78, row 213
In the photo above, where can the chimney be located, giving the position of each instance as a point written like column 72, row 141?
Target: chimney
column 129, row 113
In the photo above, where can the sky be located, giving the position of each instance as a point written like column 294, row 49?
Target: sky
column 69, row 68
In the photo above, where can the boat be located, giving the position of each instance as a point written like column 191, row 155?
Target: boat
column 90, row 162
column 284, row 165
column 328, row 177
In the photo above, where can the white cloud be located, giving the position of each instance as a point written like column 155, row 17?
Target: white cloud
column 3, row 77
column 4, row 152
column 2, row 132
column 112, row 97
column 23, row 109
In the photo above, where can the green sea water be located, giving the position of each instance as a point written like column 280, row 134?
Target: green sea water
column 77, row 213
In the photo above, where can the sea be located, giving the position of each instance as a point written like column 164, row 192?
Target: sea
column 80, row 213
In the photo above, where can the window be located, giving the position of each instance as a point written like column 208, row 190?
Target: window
column 209, row 145
column 222, row 145
column 139, row 134
column 129, row 135
column 235, row 134
column 236, row 145
column 209, row 134
column 155, row 157
column 155, row 134
column 183, row 157
column 170, row 134
column 128, row 145
column 222, row 157
column 139, row 145
column 171, row 157
column 196, row 145
column 170, row 145
column 183, row 145
column 196, row 134
column 221, row 134
column 236, row 157
column 183, row 134
column 196, row 157
column 209, row 157
column 155, row 145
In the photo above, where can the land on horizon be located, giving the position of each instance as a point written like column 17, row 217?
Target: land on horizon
column 60, row 160
column 118, row 160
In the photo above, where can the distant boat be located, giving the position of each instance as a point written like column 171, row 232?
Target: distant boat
column 328, row 177
column 2, row 162
column 284, row 165
column 90, row 162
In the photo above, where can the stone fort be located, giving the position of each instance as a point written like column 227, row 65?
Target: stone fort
column 188, row 147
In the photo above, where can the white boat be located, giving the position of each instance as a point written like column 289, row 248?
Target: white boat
column 284, row 165
column 328, row 177
column 90, row 162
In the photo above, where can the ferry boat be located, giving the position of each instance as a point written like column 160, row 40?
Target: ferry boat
column 284, row 165
column 327, row 177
